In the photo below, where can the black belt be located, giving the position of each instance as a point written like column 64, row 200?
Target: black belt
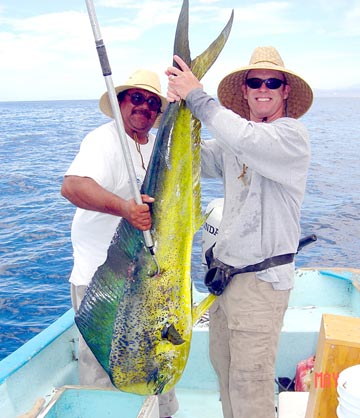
column 220, row 274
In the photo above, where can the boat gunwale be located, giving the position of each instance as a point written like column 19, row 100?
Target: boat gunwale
column 14, row 361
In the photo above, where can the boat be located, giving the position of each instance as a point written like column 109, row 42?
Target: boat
column 40, row 378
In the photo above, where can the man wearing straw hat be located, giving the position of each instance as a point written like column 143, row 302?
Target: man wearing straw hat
column 262, row 152
column 97, row 182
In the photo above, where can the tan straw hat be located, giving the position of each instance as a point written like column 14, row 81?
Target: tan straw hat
column 140, row 79
column 264, row 58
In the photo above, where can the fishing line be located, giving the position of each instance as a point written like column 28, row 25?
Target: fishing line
column 106, row 70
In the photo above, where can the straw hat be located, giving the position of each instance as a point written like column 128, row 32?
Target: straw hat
column 140, row 79
column 265, row 58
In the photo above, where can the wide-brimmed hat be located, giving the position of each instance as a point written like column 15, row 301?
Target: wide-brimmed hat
column 140, row 79
column 265, row 58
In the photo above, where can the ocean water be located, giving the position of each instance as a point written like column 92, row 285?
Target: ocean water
column 38, row 141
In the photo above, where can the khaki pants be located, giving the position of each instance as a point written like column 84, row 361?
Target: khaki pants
column 245, row 324
column 91, row 372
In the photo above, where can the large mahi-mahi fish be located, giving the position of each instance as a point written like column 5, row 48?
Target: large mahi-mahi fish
column 137, row 322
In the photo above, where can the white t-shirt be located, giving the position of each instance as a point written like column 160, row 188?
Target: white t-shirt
column 101, row 158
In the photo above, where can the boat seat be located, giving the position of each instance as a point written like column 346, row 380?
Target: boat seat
column 292, row 404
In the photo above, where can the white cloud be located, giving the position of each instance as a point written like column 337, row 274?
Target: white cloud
column 53, row 55
column 351, row 25
column 117, row 4
column 209, row 1
column 63, row 23
column 43, row 52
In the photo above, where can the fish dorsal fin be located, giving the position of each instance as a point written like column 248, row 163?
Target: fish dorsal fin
column 198, row 218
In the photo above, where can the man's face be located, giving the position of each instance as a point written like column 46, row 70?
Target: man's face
column 263, row 101
column 139, row 115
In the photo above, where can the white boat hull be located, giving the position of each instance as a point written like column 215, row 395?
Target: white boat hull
column 43, row 372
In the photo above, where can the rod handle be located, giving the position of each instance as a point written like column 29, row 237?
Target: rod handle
column 306, row 241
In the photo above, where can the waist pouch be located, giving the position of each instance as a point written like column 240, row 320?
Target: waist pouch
column 220, row 274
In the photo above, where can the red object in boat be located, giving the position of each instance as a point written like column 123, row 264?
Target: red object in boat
column 303, row 375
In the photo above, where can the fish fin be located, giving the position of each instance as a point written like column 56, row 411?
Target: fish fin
column 196, row 184
column 204, row 61
column 201, row 219
column 171, row 334
column 199, row 310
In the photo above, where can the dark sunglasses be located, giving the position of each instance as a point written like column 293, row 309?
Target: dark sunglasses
column 270, row 83
column 138, row 99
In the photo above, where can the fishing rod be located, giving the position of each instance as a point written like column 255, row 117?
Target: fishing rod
column 106, row 70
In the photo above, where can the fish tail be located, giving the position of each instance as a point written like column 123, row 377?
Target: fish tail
column 181, row 44
column 201, row 64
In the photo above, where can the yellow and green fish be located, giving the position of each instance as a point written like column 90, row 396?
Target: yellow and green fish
column 138, row 321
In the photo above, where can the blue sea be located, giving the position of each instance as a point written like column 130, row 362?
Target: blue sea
column 39, row 140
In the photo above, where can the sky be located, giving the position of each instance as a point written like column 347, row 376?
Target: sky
column 47, row 47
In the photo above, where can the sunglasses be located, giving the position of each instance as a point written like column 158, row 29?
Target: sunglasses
column 270, row 83
column 138, row 99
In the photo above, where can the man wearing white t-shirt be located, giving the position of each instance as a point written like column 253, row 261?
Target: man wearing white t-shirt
column 97, row 182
